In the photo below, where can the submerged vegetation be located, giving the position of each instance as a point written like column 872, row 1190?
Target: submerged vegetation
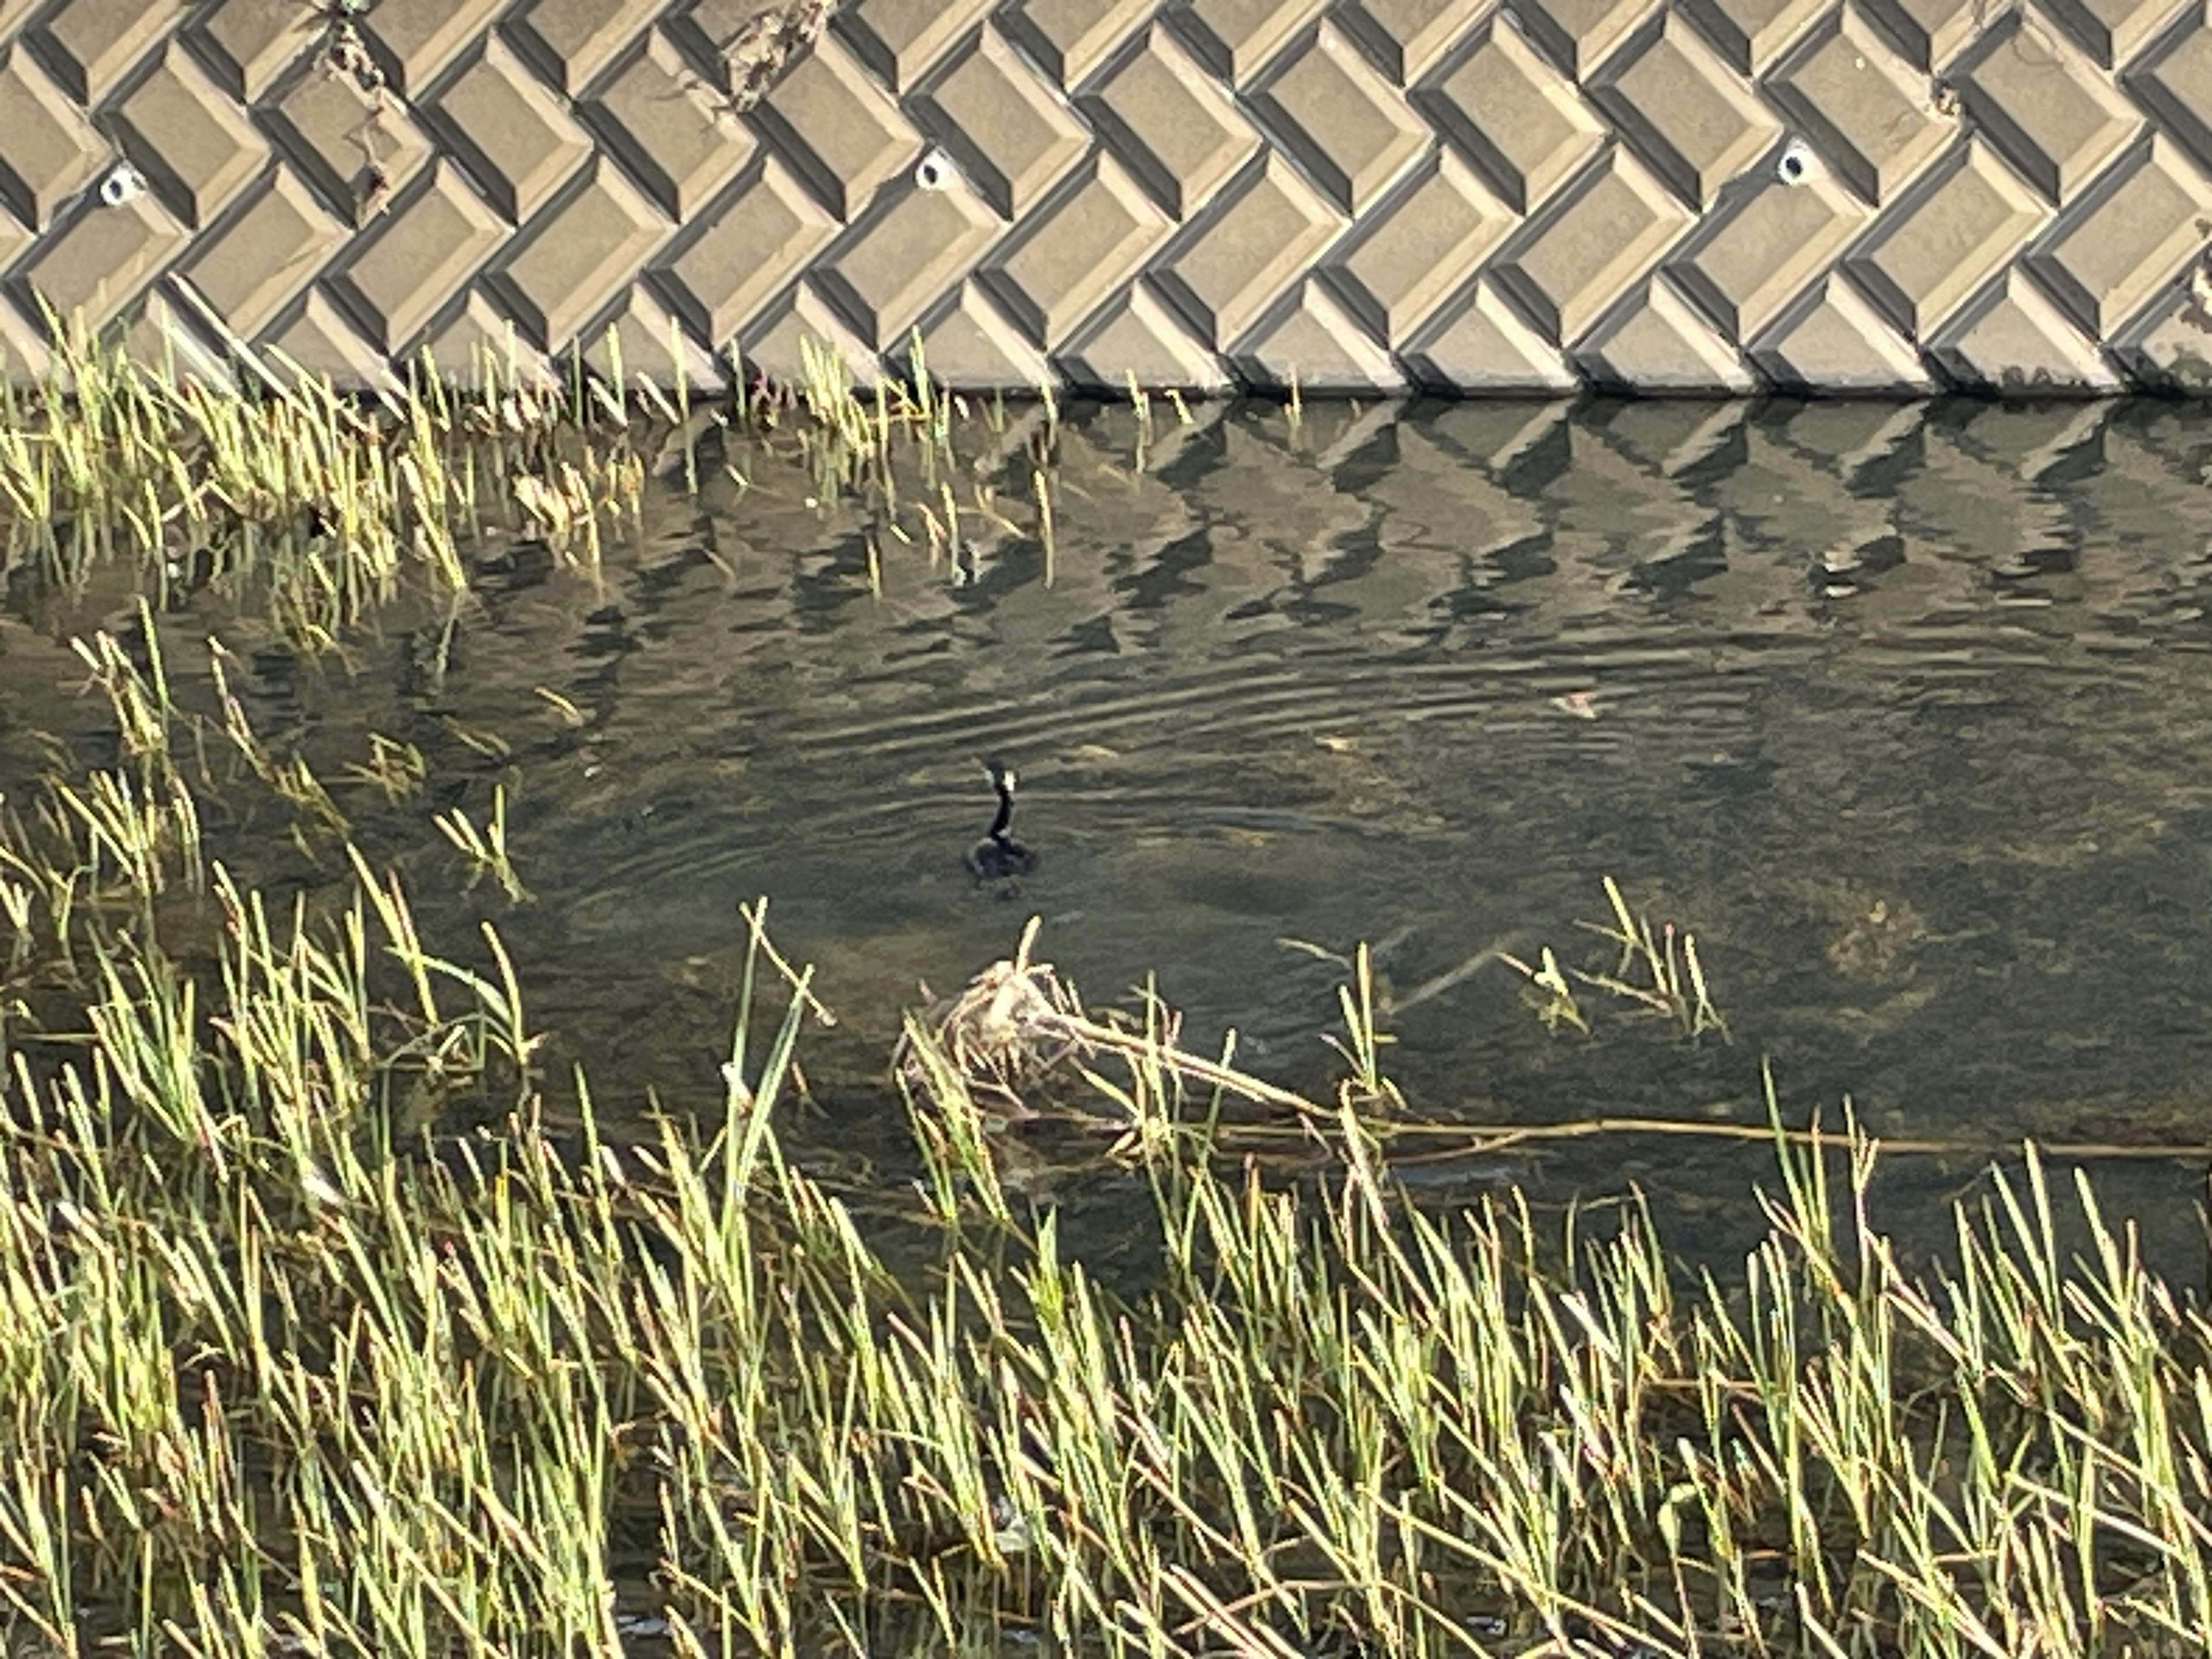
column 292, row 1362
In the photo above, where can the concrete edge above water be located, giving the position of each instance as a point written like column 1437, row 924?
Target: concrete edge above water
column 1883, row 196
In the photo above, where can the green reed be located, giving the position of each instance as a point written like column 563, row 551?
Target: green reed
column 1362, row 1045
column 920, row 464
column 277, row 1373
column 326, row 503
column 1658, row 970
column 485, row 849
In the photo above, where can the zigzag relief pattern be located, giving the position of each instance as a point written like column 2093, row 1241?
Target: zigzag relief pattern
column 1366, row 196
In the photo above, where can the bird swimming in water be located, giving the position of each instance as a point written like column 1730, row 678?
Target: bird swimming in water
column 998, row 856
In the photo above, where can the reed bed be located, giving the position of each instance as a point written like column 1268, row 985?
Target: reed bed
column 278, row 1377
column 256, row 475
column 320, row 503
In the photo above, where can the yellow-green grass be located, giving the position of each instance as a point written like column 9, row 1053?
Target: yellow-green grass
column 278, row 1376
column 319, row 505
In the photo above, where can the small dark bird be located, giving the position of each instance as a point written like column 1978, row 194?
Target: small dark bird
column 998, row 855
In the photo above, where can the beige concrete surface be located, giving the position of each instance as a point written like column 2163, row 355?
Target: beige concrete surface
column 1716, row 196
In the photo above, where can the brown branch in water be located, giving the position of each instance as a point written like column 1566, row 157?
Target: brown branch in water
column 1017, row 1019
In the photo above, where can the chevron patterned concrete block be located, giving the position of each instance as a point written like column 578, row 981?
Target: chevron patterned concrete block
column 1517, row 118
column 1092, row 242
column 1879, row 197
column 572, row 40
column 252, row 268
column 1008, row 126
column 669, row 129
column 51, row 152
column 1413, row 251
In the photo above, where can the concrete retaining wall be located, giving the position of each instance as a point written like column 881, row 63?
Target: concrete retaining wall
column 1892, row 196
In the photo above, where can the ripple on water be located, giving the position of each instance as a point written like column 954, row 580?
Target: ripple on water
column 1907, row 711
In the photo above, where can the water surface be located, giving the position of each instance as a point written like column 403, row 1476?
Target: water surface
column 1904, row 711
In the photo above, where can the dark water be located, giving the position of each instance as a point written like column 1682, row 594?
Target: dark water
column 1906, row 712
